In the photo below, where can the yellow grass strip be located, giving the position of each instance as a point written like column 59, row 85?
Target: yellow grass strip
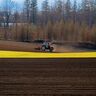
column 14, row 54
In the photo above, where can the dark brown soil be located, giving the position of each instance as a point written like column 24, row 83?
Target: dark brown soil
column 47, row 77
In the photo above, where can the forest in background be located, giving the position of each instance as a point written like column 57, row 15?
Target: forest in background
column 63, row 20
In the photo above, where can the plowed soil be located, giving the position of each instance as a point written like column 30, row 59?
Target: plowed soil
column 31, row 47
column 47, row 77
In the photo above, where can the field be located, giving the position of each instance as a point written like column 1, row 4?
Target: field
column 31, row 47
column 47, row 77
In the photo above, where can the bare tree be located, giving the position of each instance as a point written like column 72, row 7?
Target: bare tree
column 33, row 11
column 45, row 11
column 68, row 10
column 59, row 9
column 8, row 6
column 27, row 16
column 7, row 9
column 75, row 11
column 16, row 19
column 27, row 10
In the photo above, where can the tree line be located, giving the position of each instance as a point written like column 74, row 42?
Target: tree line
column 62, row 20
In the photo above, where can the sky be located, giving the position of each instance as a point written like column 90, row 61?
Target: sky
column 20, row 2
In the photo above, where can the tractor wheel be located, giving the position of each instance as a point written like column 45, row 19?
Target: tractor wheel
column 43, row 48
column 51, row 49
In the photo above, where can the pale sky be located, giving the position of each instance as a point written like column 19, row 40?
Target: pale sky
column 39, row 2
column 21, row 1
